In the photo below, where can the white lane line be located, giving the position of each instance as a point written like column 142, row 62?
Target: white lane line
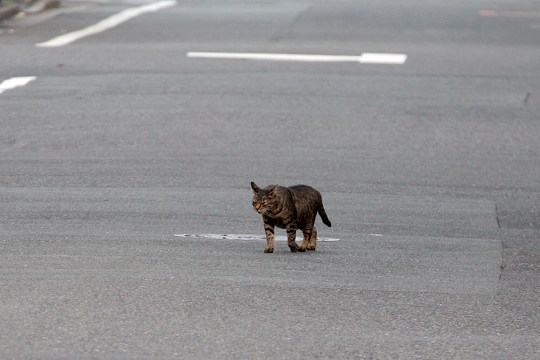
column 14, row 82
column 106, row 24
column 244, row 237
column 365, row 58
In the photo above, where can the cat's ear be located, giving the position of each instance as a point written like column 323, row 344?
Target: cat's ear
column 255, row 187
column 272, row 188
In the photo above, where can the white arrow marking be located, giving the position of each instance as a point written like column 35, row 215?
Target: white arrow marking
column 366, row 58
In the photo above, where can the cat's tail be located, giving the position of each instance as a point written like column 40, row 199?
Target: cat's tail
column 324, row 217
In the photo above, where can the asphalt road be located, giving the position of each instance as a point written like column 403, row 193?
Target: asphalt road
column 429, row 170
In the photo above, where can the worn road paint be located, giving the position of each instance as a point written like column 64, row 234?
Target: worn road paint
column 244, row 237
column 107, row 23
column 366, row 58
column 15, row 82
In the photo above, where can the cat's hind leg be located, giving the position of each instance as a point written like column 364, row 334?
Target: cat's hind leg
column 305, row 242
column 308, row 232
column 312, row 244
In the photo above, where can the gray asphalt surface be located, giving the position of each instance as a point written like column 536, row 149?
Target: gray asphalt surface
column 429, row 172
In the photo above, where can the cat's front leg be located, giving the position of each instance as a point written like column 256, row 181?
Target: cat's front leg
column 291, row 237
column 269, row 231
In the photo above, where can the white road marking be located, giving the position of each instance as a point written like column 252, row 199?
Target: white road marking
column 245, row 237
column 383, row 58
column 365, row 58
column 107, row 23
column 15, row 82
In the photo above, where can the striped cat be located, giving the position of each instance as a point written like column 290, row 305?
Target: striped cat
column 289, row 208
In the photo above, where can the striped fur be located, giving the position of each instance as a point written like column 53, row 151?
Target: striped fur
column 289, row 208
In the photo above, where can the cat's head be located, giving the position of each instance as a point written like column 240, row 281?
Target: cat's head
column 263, row 199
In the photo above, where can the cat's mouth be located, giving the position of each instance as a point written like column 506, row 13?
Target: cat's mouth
column 260, row 210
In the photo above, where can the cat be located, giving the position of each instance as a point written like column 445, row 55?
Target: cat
column 289, row 208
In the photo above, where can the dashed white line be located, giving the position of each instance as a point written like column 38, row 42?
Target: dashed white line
column 106, row 24
column 365, row 58
column 14, row 82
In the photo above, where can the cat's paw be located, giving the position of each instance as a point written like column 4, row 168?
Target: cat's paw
column 269, row 250
column 294, row 248
column 311, row 247
column 301, row 248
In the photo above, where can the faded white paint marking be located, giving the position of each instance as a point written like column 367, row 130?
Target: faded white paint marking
column 376, row 235
column 366, row 58
column 244, row 237
column 107, row 23
column 14, row 82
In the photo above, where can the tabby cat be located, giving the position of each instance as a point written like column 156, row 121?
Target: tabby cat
column 289, row 208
